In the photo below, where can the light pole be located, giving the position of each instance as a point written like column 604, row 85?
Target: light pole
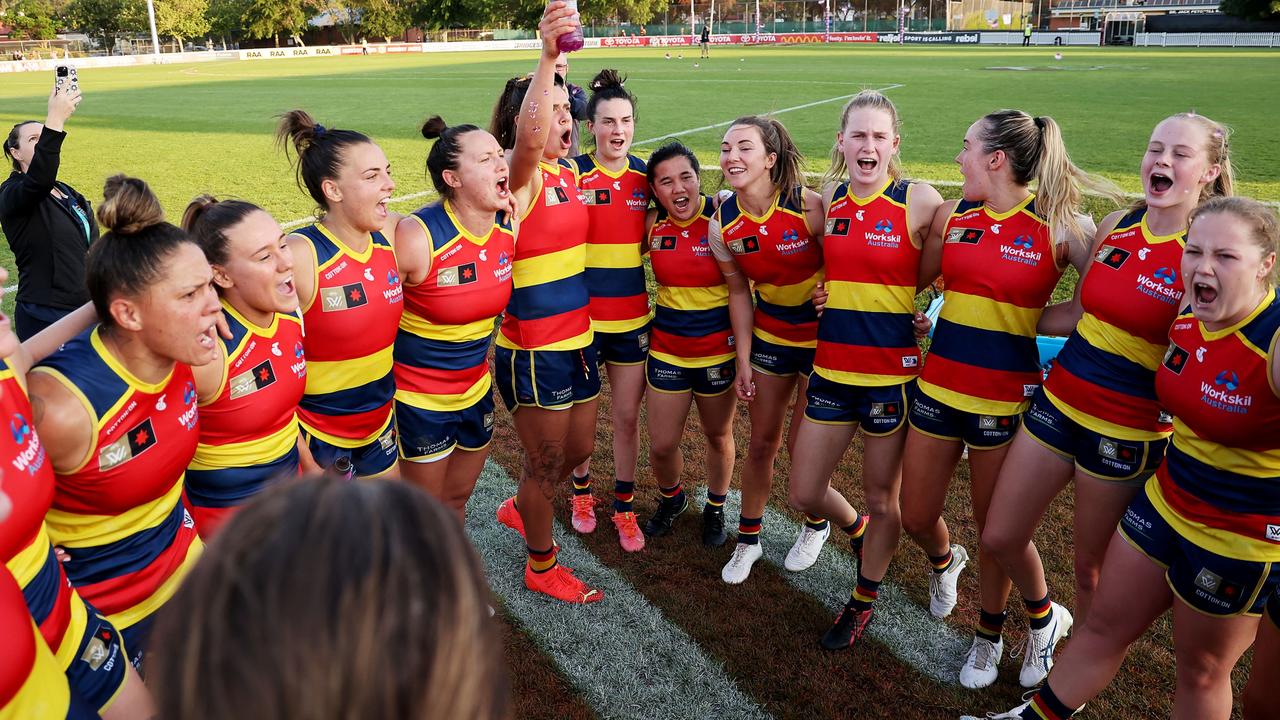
column 155, row 39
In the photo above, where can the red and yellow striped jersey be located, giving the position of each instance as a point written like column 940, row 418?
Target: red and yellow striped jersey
column 549, row 298
column 249, row 430
column 778, row 254
column 999, row 269
column 1105, row 376
column 441, row 350
column 1219, row 485
column 350, row 328
column 616, row 203
column 32, row 686
column 691, row 325
column 865, row 335
column 120, row 515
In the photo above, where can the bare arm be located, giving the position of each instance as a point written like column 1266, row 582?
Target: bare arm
column 64, row 425
column 413, row 251
column 931, row 250
column 533, row 125
column 210, row 376
column 304, row 270
column 1061, row 318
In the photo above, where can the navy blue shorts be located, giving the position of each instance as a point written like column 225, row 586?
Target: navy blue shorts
column 1208, row 582
column 879, row 410
column 782, row 360
column 369, row 460
column 622, row 348
column 134, row 639
column 97, row 672
column 1273, row 608
column 549, row 379
column 980, row 432
column 706, row 381
column 1128, row 462
column 430, row 435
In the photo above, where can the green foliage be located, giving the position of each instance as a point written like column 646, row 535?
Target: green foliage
column 269, row 18
column 435, row 15
column 181, row 19
column 105, row 19
column 226, row 17
column 1251, row 9
column 383, row 19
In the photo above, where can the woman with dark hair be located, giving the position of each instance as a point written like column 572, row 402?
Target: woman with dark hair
column 327, row 599
column 545, row 363
column 456, row 259
column 116, row 410
column 617, row 193
column 348, row 285
column 48, row 224
column 691, row 357
column 249, row 394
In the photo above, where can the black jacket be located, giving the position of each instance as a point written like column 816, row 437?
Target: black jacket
column 48, row 241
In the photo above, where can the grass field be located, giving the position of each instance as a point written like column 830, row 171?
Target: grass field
column 190, row 129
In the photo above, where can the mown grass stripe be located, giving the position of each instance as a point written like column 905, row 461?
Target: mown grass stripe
column 622, row 654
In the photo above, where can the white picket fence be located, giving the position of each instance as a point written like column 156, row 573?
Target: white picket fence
column 1243, row 39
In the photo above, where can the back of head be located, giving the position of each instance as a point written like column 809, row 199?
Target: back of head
column 319, row 150
column 207, row 220
column 502, row 124
column 130, row 255
column 608, row 84
column 788, row 171
column 1036, row 151
column 445, row 152
column 330, row 599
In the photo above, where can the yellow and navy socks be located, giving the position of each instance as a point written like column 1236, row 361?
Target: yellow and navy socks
column 990, row 625
column 815, row 523
column 1039, row 612
column 864, row 593
column 1046, row 706
column 941, row 562
column 749, row 530
column 672, row 494
column 856, row 531
column 623, row 494
column 541, row 561
column 582, row 485
column 714, row 501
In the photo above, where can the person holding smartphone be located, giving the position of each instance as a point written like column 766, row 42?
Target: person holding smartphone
column 48, row 224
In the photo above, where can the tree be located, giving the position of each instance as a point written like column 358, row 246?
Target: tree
column 105, row 19
column 31, row 20
column 226, row 19
column 268, row 18
column 435, row 15
column 1252, row 9
column 383, row 18
column 182, row 19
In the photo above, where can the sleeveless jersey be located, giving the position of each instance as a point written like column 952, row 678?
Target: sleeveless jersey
column 549, row 298
column 691, row 325
column 350, row 327
column 777, row 253
column 249, row 430
column 31, row 682
column 865, row 335
column 120, row 515
column 1000, row 269
column 1105, row 377
column 1219, row 485
column 24, row 540
column 616, row 203
column 443, row 343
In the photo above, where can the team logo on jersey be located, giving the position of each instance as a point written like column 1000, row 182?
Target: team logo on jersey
column 1273, row 533
column 790, row 236
column 1227, row 379
column 598, row 197
column 135, row 442
column 249, row 382
column 1142, row 254
column 161, row 403
column 884, row 410
column 1023, row 241
column 555, row 195
column 968, row 236
column 638, row 194
column 393, row 277
column 1212, row 583
column 884, row 226
column 860, row 215
column 1165, row 275
column 101, row 648
column 666, row 242
column 995, row 228
column 1112, row 257
column 456, row 275
column 910, row 361
column 994, row 422
column 837, row 226
column 368, row 274
column 189, row 394
column 504, row 259
column 1175, row 358
column 1114, row 450
column 298, row 351
column 275, row 349
column 20, row 428
column 337, row 299
column 745, row 246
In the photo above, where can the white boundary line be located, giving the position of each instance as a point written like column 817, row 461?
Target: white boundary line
column 624, row 657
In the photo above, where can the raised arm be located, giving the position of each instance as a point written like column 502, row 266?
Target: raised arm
column 533, row 124
column 33, row 185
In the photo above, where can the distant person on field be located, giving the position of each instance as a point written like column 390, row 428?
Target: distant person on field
column 577, row 101
column 48, row 224
column 705, row 41
column 1026, row 35
column 327, row 599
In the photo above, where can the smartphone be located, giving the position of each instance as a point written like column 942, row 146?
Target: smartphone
column 65, row 78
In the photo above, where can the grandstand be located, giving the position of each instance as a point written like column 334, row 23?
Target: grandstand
column 1120, row 20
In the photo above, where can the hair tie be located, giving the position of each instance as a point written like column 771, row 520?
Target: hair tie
column 1039, row 121
column 318, row 131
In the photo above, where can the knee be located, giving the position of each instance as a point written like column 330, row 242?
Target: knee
column 626, row 423
column 544, row 463
column 1088, row 570
column 720, row 444
column 763, row 450
column 663, row 452
column 999, row 543
column 802, row 498
column 1200, row 673
column 917, row 524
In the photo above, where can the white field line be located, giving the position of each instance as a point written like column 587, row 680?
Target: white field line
column 621, row 654
column 815, row 103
